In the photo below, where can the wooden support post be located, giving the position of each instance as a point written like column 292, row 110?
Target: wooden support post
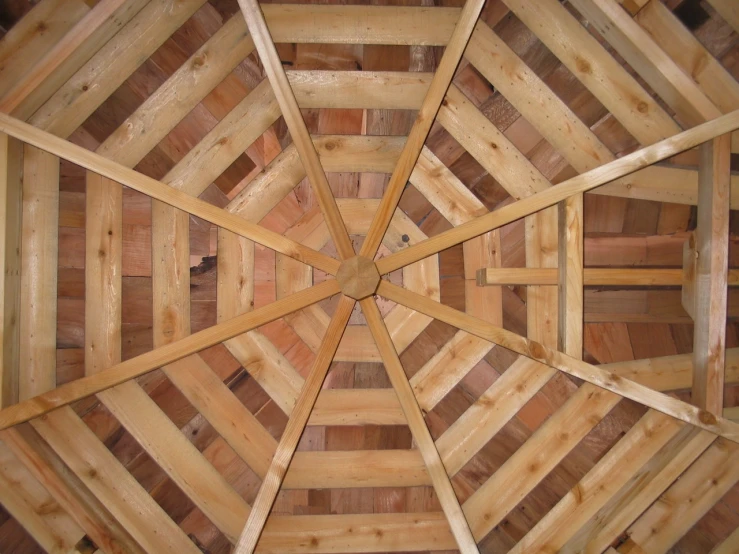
column 571, row 276
column 711, row 265
column 11, row 163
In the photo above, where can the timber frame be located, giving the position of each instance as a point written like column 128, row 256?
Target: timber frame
column 63, row 477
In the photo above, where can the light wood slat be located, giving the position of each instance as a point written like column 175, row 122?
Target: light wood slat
column 588, row 60
column 711, row 264
column 357, row 407
column 491, row 411
column 444, row 491
column 76, row 47
column 356, row 468
column 446, row 368
column 39, row 254
column 30, row 504
column 676, row 88
column 296, row 125
column 361, row 24
column 571, row 276
column 422, row 125
column 549, row 444
column 684, row 49
column 582, row 370
column 581, row 183
column 687, row 501
column 623, row 460
column 592, row 277
column 69, row 491
column 641, row 491
column 95, row 81
column 489, row 146
column 164, row 355
column 24, row 42
column 109, row 481
column 159, row 191
column 728, row 10
column 190, row 83
column 369, row 533
column 11, row 208
column 294, row 429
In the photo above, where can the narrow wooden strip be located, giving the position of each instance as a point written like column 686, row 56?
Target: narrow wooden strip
column 495, row 407
column 294, row 429
column 581, row 183
column 39, row 254
column 595, row 375
column 571, row 278
column 537, row 457
column 369, row 533
column 421, row 126
column 67, row 56
column 711, row 265
column 356, row 468
column 628, row 455
column 162, row 192
column 296, row 125
column 592, row 277
column 11, row 209
column 357, row 407
column 422, row 436
column 144, row 363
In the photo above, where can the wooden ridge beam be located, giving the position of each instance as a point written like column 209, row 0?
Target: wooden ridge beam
column 595, row 375
column 124, row 371
column 162, row 192
column 295, row 426
column 438, row 473
column 581, row 183
column 422, row 125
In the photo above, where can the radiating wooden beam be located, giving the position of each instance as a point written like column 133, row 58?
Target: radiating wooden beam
column 581, row 183
column 295, row 425
column 422, row 125
column 443, row 487
column 531, row 349
column 711, row 241
column 159, row 191
column 86, row 386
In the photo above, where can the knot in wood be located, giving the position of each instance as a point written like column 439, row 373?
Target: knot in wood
column 358, row 277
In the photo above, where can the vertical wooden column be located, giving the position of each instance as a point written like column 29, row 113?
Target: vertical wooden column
column 571, row 276
column 711, row 251
column 11, row 160
column 39, row 255
column 483, row 302
column 541, row 301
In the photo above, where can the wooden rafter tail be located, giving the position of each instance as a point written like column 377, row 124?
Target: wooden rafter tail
column 422, row 125
column 159, row 191
column 595, row 375
column 581, row 183
column 124, row 371
column 296, row 125
column 295, row 426
column 421, row 434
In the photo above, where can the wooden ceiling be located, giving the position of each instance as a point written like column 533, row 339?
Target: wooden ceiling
column 548, row 363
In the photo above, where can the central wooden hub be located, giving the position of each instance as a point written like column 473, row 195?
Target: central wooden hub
column 358, row 277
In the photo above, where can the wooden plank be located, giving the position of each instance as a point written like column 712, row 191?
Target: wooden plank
column 144, row 363
column 294, row 429
column 444, row 491
column 604, row 76
column 685, row 502
column 11, row 207
column 39, row 253
column 159, row 191
column 76, row 47
column 628, row 455
column 581, row 183
column 571, row 279
column 678, row 90
column 490, row 412
column 592, row 277
column 296, row 125
column 357, row 407
column 712, row 251
column 421, row 126
column 595, row 375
